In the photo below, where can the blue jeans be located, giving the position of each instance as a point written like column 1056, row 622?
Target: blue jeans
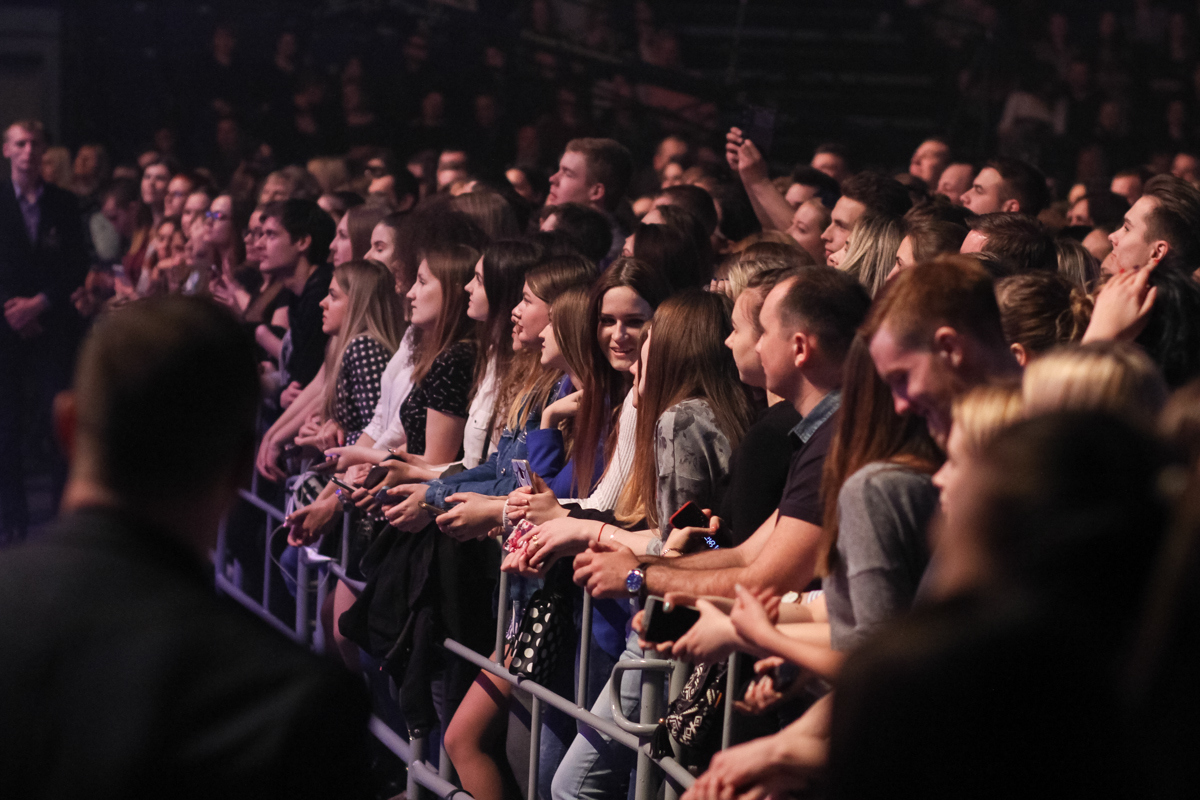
column 595, row 767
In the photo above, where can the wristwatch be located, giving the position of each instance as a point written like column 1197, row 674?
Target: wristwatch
column 635, row 581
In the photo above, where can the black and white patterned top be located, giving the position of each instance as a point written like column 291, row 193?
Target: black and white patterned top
column 445, row 388
column 363, row 363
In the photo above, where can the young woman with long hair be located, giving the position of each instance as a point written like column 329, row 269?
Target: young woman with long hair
column 352, row 238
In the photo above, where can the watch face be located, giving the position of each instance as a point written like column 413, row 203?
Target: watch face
column 633, row 581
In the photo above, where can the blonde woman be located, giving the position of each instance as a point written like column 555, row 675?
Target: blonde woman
column 1099, row 376
column 363, row 314
column 870, row 252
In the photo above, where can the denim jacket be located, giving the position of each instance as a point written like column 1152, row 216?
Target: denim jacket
column 493, row 477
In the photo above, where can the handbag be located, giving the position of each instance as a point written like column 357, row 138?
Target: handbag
column 543, row 636
column 700, row 707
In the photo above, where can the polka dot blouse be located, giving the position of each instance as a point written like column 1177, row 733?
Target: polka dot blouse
column 446, row 388
column 363, row 363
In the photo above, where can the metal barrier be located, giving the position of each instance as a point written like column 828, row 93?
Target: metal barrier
column 422, row 775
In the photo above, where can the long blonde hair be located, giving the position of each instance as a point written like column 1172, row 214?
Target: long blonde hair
column 372, row 309
column 871, row 249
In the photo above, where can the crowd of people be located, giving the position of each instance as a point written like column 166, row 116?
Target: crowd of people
column 923, row 448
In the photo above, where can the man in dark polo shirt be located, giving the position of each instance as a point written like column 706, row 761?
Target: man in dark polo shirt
column 808, row 323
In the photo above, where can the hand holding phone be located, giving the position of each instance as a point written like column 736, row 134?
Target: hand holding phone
column 661, row 623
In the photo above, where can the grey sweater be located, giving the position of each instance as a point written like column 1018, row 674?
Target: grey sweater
column 883, row 512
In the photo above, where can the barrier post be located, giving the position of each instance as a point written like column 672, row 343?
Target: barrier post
column 302, row 596
column 647, row 775
column 731, row 682
column 417, row 753
column 535, row 747
column 679, row 677
column 585, row 652
column 501, row 617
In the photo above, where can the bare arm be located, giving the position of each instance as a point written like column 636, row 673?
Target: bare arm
column 443, row 436
column 783, row 560
column 771, row 208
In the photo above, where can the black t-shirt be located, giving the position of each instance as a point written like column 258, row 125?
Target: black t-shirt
column 758, row 471
column 445, row 388
column 802, row 493
column 304, row 320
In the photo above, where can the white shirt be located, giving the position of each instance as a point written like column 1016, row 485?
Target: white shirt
column 385, row 427
column 476, row 441
column 604, row 497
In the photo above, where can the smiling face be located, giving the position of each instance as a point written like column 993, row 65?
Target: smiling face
column 425, row 298
column 530, row 317
column 743, row 341
column 333, row 308
column 921, row 381
column 623, row 315
column 843, row 217
column 477, row 305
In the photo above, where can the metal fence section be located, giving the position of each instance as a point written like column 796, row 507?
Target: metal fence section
column 423, row 776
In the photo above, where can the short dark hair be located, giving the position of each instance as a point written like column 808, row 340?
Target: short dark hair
column 1026, row 183
column 168, row 363
column 1176, row 216
column 830, row 303
column 835, row 149
column 878, row 193
column 1107, row 210
column 586, row 228
column 1019, row 242
column 125, row 191
column 609, row 162
column 302, row 218
column 696, row 200
column 1172, row 333
column 827, row 188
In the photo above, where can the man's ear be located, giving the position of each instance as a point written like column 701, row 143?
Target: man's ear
column 948, row 346
column 66, row 422
column 802, row 344
column 1020, row 353
column 1158, row 251
column 1011, row 205
column 596, row 193
column 303, row 243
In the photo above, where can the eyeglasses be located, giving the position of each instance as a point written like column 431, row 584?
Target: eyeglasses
column 215, row 216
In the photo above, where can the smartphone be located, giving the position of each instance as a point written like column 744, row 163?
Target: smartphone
column 521, row 469
column 336, row 481
column 432, row 509
column 689, row 515
column 758, row 125
column 784, row 676
column 375, row 476
column 661, row 625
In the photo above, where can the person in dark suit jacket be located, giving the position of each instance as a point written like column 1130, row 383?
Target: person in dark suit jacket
column 43, row 259
column 122, row 673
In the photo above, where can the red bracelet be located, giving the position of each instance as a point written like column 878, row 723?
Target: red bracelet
column 603, row 525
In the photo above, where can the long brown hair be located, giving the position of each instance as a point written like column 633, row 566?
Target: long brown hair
column 687, row 359
column 602, row 396
column 372, row 308
column 505, row 265
column 360, row 222
column 452, row 266
column 547, row 281
column 868, row 430
column 569, row 319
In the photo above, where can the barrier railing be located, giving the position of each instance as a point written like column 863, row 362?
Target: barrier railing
column 422, row 774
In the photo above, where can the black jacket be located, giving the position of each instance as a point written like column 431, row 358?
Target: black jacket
column 123, row 674
column 56, row 264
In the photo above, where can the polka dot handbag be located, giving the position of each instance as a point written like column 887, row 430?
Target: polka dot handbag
column 544, row 636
